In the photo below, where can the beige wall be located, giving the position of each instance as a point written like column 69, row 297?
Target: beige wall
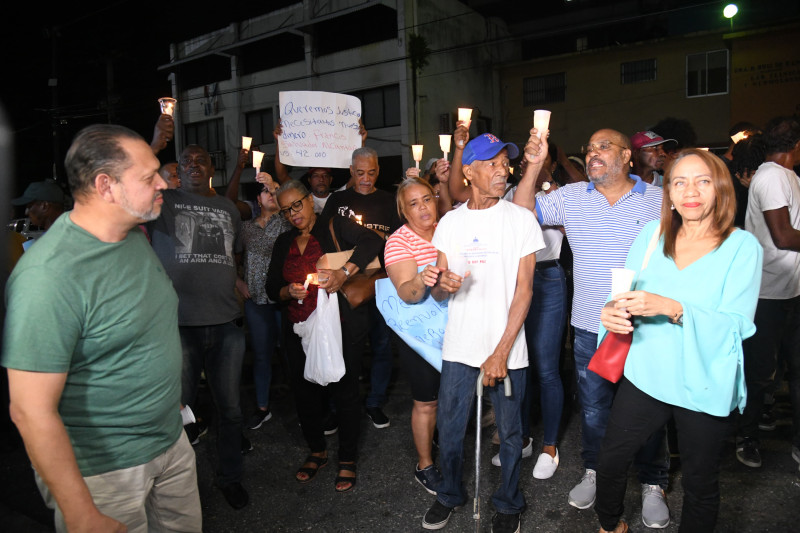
column 595, row 98
column 765, row 75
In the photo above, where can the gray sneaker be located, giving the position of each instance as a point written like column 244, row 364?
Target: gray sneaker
column 582, row 494
column 655, row 513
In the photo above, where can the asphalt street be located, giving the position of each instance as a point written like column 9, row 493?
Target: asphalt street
column 388, row 499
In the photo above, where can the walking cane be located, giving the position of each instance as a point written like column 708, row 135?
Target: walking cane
column 476, row 502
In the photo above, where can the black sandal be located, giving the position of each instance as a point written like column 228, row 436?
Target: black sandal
column 311, row 472
column 350, row 467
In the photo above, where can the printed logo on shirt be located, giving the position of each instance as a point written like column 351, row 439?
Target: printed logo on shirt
column 203, row 235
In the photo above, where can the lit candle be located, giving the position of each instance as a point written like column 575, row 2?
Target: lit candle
column 541, row 120
column 257, row 157
column 246, row 141
column 358, row 220
column 310, row 279
column 444, row 144
column 167, row 105
column 465, row 116
column 416, row 152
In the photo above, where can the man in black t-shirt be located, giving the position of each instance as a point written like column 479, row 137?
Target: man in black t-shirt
column 377, row 210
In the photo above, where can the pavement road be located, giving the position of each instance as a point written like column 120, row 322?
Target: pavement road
column 388, row 499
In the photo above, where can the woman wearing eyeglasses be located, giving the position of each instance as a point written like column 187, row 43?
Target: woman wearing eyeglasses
column 261, row 313
column 295, row 256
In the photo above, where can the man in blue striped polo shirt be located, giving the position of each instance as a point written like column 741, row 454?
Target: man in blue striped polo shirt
column 601, row 219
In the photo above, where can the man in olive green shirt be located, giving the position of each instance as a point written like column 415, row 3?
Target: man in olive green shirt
column 93, row 353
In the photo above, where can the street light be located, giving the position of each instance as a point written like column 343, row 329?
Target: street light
column 729, row 12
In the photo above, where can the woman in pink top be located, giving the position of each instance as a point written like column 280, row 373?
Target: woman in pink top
column 406, row 250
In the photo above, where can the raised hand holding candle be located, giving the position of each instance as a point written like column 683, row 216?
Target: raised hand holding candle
column 444, row 144
column 167, row 105
column 541, row 121
column 416, row 152
column 246, row 142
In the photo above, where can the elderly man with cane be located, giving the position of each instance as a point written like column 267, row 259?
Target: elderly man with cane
column 486, row 271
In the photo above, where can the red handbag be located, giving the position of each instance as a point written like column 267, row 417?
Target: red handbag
column 609, row 360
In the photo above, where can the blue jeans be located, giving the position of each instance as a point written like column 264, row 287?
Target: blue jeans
column 456, row 396
column 596, row 395
column 263, row 323
column 219, row 350
column 544, row 330
column 380, row 342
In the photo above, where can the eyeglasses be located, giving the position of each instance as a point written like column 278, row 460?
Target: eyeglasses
column 602, row 146
column 295, row 207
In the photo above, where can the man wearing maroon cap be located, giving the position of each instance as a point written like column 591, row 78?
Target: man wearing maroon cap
column 648, row 156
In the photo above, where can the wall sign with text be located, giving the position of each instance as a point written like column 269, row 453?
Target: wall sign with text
column 319, row 129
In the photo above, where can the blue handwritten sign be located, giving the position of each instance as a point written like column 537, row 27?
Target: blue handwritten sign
column 318, row 129
column 420, row 325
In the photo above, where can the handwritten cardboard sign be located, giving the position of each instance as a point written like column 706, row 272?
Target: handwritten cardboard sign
column 319, row 129
column 420, row 325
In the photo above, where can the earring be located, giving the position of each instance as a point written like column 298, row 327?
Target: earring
column 672, row 207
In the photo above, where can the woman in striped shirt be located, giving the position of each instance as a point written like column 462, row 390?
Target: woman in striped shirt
column 406, row 250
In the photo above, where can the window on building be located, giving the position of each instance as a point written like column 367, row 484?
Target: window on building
column 380, row 107
column 707, row 73
column 544, row 89
column 210, row 135
column 259, row 125
column 637, row 71
column 447, row 123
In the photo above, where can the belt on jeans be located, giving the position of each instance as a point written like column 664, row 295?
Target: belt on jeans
column 547, row 264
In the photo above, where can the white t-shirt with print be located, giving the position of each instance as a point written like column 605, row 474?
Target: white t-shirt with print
column 488, row 243
column 774, row 187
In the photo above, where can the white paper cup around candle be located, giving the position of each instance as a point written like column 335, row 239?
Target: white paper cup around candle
column 621, row 280
column 444, row 144
column 416, row 152
column 465, row 116
column 541, row 120
column 167, row 105
column 257, row 158
column 246, row 141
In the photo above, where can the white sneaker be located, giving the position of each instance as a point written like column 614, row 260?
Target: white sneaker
column 527, row 451
column 655, row 513
column 545, row 466
column 582, row 495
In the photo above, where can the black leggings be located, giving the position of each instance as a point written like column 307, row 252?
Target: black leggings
column 634, row 417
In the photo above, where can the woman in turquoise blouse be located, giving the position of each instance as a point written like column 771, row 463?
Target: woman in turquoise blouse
column 691, row 307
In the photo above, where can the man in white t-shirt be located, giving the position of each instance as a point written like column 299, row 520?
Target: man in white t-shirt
column 486, row 258
column 773, row 216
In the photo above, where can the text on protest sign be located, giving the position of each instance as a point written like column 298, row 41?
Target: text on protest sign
column 318, row 129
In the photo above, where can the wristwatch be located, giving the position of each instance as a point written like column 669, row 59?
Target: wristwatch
column 346, row 272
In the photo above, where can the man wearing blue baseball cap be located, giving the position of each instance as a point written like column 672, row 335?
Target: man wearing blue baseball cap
column 486, row 272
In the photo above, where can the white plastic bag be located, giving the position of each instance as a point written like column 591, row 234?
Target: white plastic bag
column 321, row 336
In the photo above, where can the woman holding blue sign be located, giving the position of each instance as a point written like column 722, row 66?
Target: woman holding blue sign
column 408, row 249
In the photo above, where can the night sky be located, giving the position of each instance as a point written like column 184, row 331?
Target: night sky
column 101, row 48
